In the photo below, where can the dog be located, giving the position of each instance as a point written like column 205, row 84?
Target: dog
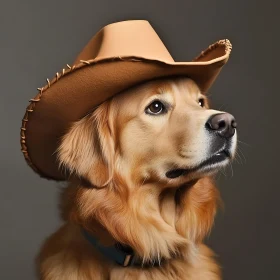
column 142, row 168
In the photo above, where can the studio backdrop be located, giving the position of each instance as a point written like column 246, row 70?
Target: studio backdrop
column 39, row 37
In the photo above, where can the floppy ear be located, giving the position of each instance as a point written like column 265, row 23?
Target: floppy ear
column 87, row 149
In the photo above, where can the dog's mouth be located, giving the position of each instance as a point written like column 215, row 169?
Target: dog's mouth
column 208, row 164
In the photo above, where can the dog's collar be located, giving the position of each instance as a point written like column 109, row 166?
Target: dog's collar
column 122, row 255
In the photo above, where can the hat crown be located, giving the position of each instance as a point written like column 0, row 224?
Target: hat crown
column 126, row 38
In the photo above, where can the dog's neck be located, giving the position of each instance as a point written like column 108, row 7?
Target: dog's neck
column 123, row 254
column 160, row 236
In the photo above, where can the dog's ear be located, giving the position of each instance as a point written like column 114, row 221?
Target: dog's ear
column 88, row 149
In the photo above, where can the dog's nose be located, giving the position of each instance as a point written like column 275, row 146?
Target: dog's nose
column 224, row 124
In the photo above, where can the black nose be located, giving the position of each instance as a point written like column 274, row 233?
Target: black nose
column 224, row 124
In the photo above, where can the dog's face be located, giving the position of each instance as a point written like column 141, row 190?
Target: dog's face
column 166, row 132
column 138, row 147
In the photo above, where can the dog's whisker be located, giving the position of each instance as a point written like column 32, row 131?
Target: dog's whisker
column 242, row 142
column 231, row 169
column 240, row 151
column 224, row 171
column 238, row 157
column 222, row 106
column 218, row 176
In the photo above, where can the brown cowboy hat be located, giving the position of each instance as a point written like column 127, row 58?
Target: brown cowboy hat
column 119, row 56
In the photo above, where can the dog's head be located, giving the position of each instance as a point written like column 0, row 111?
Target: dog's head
column 135, row 151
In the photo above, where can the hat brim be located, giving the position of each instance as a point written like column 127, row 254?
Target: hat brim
column 75, row 91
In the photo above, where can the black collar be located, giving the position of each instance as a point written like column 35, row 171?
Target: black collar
column 122, row 255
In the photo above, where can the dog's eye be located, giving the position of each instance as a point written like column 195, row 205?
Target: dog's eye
column 201, row 102
column 155, row 108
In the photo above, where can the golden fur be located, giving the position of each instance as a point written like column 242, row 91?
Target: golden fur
column 118, row 156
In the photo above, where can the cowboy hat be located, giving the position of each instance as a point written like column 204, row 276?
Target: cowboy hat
column 119, row 56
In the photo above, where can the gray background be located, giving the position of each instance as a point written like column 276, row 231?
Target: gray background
column 38, row 38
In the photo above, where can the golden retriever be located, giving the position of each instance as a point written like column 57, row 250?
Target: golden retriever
column 142, row 166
